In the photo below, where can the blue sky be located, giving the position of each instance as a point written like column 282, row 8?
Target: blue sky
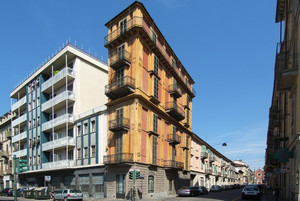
column 228, row 47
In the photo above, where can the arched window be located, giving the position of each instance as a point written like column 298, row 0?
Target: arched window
column 151, row 184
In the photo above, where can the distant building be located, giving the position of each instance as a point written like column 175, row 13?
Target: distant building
column 243, row 171
column 259, row 177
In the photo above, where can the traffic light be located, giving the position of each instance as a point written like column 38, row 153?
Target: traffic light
column 130, row 175
column 137, row 175
column 22, row 165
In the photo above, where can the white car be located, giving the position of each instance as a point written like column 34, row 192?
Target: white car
column 216, row 188
column 251, row 192
column 68, row 194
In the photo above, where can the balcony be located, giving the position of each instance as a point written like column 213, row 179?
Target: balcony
column 120, row 59
column 19, row 104
column 118, row 124
column 20, row 120
column 212, row 159
column 204, row 155
column 173, row 164
column 174, row 110
column 119, row 88
column 19, row 137
column 4, row 154
column 58, row 164
column 58, row 80
column 208, row 171
column 287, row 70
column 120, row 35
column 175, row 91
column 173, row 138
column 219, row 174
column 20, row 153
column 58, row 101
column 58, row 143
column 118, row 158
column 58, row 122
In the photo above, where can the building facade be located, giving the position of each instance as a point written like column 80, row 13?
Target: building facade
column 259, row 177
column 50, row 106
column 6, row 176
column 149, row 108
column 283, row 145
column 243, row 171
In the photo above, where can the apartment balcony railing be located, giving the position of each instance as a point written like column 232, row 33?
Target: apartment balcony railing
column 57, row 122
column 118, row 158
column 222, row 164
column 204, row 155
column 173, row 109
column 58, row 78
column 120, row 59
column 59, row 100
column 58, row 143
column 58, row 164
column 20, row 153
column 18, row 104
column 219, row 174
column 173, row 138
column 175, row 90
column 208, row 171
column 19, row 137
column 120, row 87
column 4, row 154
column 118, row 124
column 138, row 22
column 212, row 159
column 173, row 164
column 19, row 120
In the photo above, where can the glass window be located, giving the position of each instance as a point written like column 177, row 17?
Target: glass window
column 156, row 62
column 78, row 130
column 93, row 151
column 154, row 122
column 93, row 126
column 155, row 88
column 151, row 184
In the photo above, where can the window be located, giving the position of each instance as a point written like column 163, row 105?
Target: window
column 70, row 132
column 154, row 123
column 38, row 121
column 155, row 90
column 187, row 100
column 79, row 153
column 86, row 153
column 93, row 126
column 121, row 52
column 78, row 130
column 119, row 116
column 151, row 184
column 186, row 81
column 119, row 142
column 156, row 63
column 38, row 101
column 123, row 26
column 154, row 150
column 188, row 116
column 93, row 151
column 154, row 37
column 33, row 104
column 85, row 127
column 173, row 63
column 70, row 155
column 33, row 123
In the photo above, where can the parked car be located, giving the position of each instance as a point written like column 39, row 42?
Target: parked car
column 261, row 188
column 250, row 192
column 216, row 188
column 188, row 191
column 202, row 190
column 68, row 194
column 6, row 192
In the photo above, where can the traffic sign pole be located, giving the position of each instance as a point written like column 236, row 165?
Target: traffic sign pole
column 15, row 178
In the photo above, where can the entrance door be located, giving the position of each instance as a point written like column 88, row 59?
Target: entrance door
column 120, row 191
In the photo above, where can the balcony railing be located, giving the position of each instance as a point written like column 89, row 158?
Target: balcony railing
column 58, row 121
column 204, row 155
column 120, row 59
column 173, row 109
column 19, row 120
column 20, row 153
column 208, row 171
column 174, row 138
column 4, row 154
column 60, row 75
column 61, row 142
column 118, row 124
column 118, row 158
column 212, row 158
column 175, row 90
column 58, row 99
column 120, row 87
column 139, row 22
column 18, row 104
column 173, row 164
column 58, row 164
column 19, row 137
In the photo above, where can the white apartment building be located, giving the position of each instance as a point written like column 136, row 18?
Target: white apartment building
column 68, row 89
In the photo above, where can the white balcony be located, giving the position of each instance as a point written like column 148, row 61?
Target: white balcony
column 57, row 122
column 18, row 104
column 58, row 164
column 62, row 142
column 20, row 153
column 19, row 137
column 57, row 78
column 59, row 99
column 19, row 120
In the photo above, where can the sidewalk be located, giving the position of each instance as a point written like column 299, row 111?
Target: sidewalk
column 268, row 196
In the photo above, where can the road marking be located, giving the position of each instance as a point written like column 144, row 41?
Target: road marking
column 236, row 198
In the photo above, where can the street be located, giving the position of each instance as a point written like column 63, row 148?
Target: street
column 231, row 195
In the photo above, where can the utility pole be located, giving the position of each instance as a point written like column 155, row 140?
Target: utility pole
column 15, row 178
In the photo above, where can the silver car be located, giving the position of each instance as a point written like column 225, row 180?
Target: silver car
column 68, row 194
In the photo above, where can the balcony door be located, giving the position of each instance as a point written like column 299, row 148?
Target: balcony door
column 123, row 26
column 121, row 52
column 120, row 77
column 119, row 117
column 119, row 146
